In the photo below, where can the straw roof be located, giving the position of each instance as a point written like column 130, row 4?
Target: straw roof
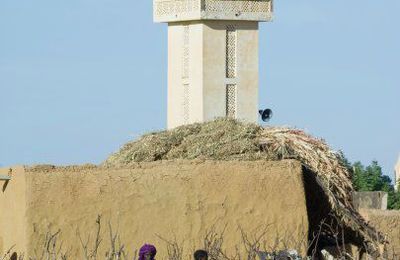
column 225, row 139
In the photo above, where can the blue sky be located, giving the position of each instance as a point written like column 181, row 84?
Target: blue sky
column 79, row 78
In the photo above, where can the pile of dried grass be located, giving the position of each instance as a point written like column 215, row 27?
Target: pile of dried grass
column 217, row 140
column 225, row 139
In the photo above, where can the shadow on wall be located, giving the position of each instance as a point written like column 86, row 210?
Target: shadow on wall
column 325, row 231
column 5, row 179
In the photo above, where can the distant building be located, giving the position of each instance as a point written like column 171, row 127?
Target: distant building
column 397, row 175
column 212, row 58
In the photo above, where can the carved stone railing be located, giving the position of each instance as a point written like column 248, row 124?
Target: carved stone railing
column 188, row 10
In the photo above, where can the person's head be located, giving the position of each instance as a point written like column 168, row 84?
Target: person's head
column 200, row 255
column 14, row 256
column 147, row 252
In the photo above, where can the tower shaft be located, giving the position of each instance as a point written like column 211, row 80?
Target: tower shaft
column 212, row 58
column 212, row 71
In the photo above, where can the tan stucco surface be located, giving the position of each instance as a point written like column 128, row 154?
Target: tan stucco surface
column 173, row 199
column 387, row 222
column 13, row 210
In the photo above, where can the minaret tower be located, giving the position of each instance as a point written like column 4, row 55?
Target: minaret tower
column 212, row 58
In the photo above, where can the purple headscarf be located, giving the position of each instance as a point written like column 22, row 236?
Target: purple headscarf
column 145, row 249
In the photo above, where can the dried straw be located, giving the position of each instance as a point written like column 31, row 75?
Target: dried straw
column 225, row 139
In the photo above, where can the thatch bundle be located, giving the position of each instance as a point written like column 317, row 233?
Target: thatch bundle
column 226, row 139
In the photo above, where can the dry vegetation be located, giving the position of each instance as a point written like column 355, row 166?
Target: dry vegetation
column 252, row 246
column 226, row 139
column 53, row 248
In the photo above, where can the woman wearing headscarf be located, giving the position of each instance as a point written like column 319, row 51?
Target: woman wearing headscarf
column 147, row 252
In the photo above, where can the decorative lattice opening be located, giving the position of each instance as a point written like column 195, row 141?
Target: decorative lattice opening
column 185, row 51
column 233, row 6
column 231, row 101
column 231, row 51
column 176, row 10
column 174, row 7
column 186, row 103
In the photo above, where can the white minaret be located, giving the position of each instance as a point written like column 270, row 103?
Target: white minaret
column 212, row 58
column 397, row 175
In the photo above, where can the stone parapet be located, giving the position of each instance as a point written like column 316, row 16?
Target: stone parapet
column 192, row 10
column 370, row 200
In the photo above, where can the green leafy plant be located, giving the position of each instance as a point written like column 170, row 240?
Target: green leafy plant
column 371, row 178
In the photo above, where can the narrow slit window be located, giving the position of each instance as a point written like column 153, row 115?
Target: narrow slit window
column 185, row 51
column 231, row 107
column 231, row 51
column 186, row 104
